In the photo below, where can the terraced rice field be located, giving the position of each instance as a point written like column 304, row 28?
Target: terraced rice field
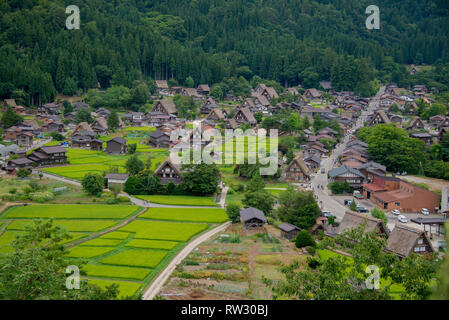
column 180, row 200
column 187, row 214
column 87, row 161
column 75, row 211
column 130, row 256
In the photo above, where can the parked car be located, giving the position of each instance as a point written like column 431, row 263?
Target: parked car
column 328, row 214
column 425, row 211
column 396, row 212
column 362, row 209
column 402, row 218
column 348, row 202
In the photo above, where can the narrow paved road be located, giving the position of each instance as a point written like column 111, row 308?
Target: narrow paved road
column 160, row 280
column 325, row 201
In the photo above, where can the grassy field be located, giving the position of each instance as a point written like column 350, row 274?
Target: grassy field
column 71, row 211
column 70, row 225
column 186, row 214
column 136, row 258
column 180, row 200
column 161, row 230
column 87, row 161
column 130, row 256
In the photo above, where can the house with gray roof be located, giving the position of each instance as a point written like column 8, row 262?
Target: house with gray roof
column 252, row 219
column 116, row 146
column 347, row 174
column 288, row 231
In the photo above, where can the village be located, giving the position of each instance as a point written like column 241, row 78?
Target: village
column 320, row 153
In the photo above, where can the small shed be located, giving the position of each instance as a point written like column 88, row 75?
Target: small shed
column 288, row 231
column 116, row 179
column 116, row 146
column 252, row 218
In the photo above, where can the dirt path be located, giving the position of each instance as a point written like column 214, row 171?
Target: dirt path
column 434, row 184
column 156, row 285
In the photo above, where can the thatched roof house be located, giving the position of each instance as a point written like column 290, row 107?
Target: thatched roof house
column 404, row 240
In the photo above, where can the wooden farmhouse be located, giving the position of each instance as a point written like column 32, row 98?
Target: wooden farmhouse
column 288, row 231
column 297, row 171
column 379, row 117
column 252, row 219
column 116, row 146
column 404, row 240
column 169, row 172
column 244, row 115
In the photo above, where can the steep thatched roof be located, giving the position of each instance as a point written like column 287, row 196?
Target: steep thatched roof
column 403, row 239
column 161, row 84
column 301, row 164
column 353, row 219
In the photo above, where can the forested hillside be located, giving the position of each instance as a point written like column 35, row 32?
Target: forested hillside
column 289, row 41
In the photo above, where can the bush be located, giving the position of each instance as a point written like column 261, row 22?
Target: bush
column 112, row 201
column 379, row 214
column 23, row 173
column 12, row 190
column 41, row 197
column 93, row 183
column 122, row 199
column 313, row 263
column 310, row 250
column 339, row 188
column 233, row 211
column 304, row 239
column 8, row 197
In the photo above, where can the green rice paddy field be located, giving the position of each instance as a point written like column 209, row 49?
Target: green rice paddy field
column 130, row 256
column 180, row 200
column 87, row 161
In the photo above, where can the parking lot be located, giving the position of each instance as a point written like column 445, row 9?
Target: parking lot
column 392, row 219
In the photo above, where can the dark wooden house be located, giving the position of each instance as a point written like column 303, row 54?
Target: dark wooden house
column 116, row 146
column 252, row 219
column 288, row 231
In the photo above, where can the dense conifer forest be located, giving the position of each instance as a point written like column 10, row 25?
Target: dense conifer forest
column 213, row 41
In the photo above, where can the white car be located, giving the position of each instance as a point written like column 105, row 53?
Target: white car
column 396, row 212
column 425, row 211
column 402, row 218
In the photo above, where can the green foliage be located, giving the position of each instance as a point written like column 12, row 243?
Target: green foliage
column 113, row 120
column 132, row 147
column 261, row 199
column 23, row 173
column 339, row 187
column 353, row 206
column 337, row 277
column 201, row 179
column 392, row 147
column 134, row 165
column 255, row 184
column 93, row 183
column 10, row 118
column 379, row 214
column 57, row 136
column 83, row 115
column 186, row 106
column 298, row 208
column 36, row 268
column 304, row 239
column 233, row 211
